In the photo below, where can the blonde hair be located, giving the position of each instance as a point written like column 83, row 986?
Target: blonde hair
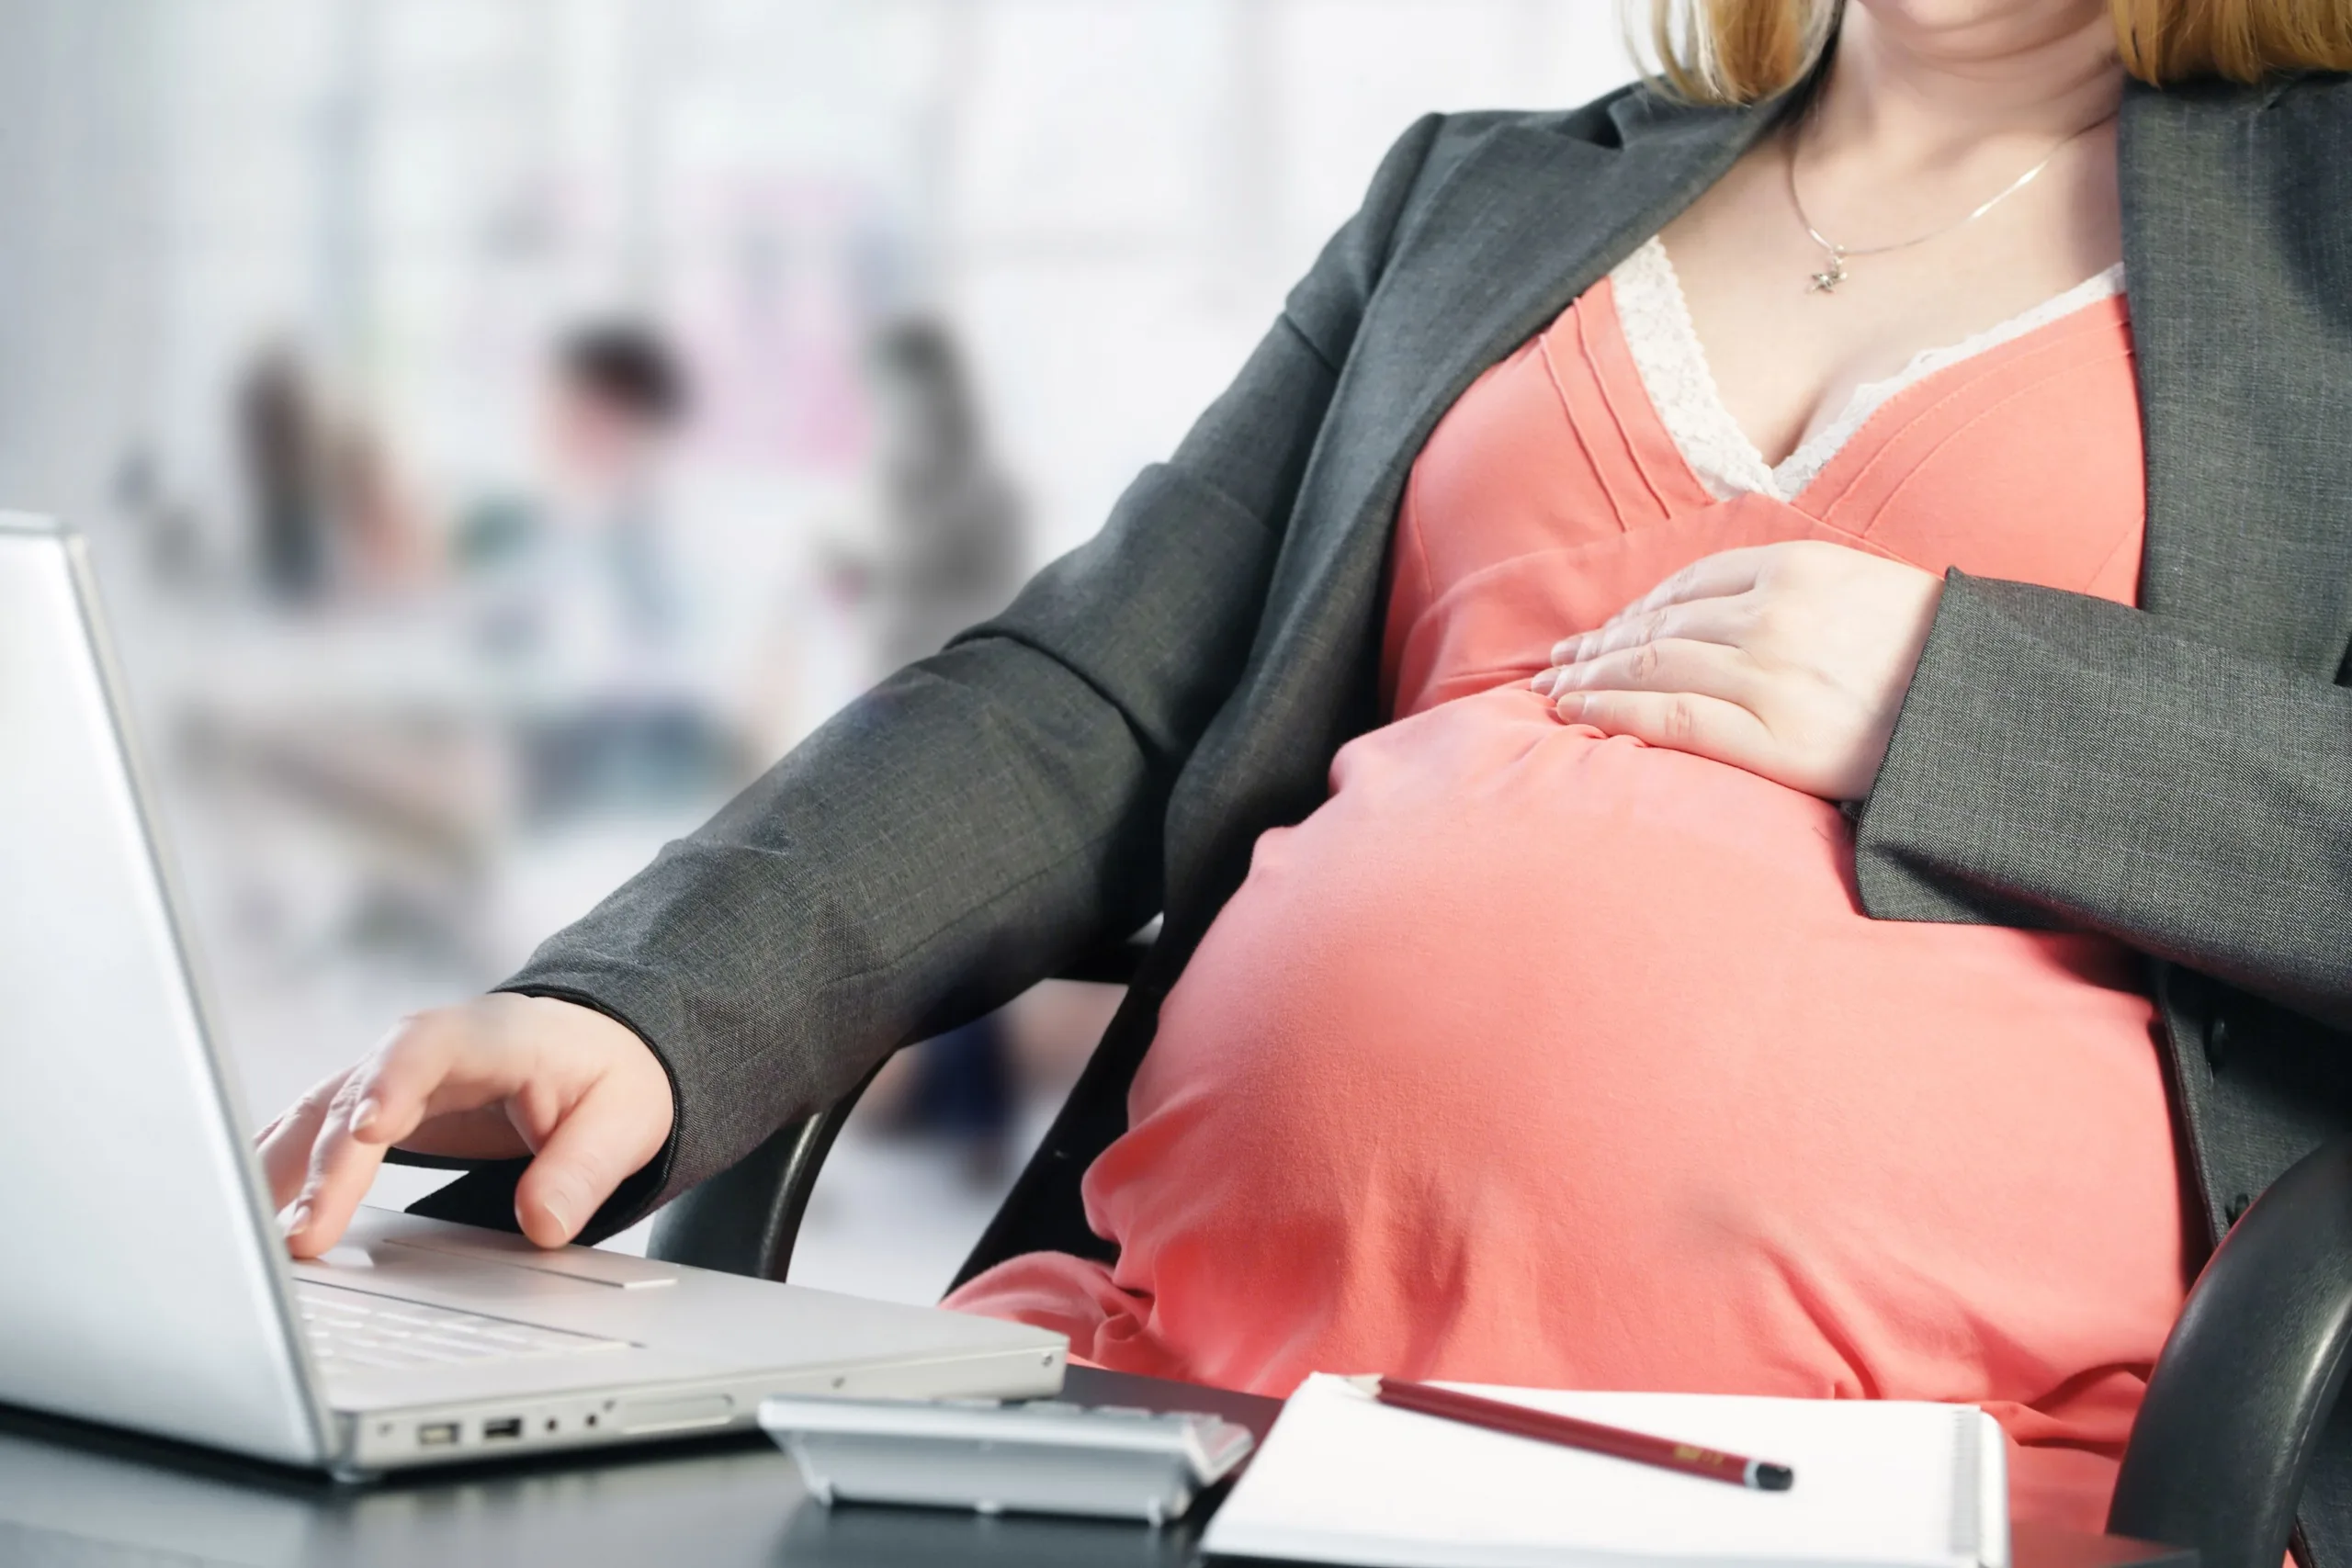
column 1738, row 51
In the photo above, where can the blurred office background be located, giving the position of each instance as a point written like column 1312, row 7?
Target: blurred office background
column 503, row 425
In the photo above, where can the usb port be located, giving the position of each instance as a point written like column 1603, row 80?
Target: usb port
column 504, row 1427
column 438, row 1434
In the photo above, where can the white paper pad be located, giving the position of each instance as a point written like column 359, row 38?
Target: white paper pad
column 1879, row 1484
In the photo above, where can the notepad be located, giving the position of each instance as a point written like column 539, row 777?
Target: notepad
column 1879, row 1484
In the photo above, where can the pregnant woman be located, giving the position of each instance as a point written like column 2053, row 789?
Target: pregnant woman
column 1735, row 722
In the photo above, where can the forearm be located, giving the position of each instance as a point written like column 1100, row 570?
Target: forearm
column 2062, row 760
column 899, row 871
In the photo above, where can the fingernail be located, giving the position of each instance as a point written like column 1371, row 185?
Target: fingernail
column 364, row 1114
column 1543, row 682
column 558, row 1209
column 292, row 1218
column 1569, row 705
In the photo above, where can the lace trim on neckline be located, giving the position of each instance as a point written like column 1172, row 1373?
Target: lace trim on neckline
column 1654, row 318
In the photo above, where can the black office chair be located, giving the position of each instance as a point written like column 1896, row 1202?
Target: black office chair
column 2239, row 1408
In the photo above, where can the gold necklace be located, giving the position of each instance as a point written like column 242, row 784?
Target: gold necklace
column 1827, row 280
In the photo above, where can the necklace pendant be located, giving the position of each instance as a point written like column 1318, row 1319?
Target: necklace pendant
column 1827, row 280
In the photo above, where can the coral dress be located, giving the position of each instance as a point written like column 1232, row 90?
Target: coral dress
column 1539, row 1057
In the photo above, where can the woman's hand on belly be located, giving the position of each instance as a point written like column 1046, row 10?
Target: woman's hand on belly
column 1790, row 661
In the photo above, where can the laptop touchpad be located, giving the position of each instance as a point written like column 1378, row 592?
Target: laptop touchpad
column 617, row 1271
column 481, row 1273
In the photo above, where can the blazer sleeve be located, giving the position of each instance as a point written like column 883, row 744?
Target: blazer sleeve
column 2063, row 760
column 984, row 815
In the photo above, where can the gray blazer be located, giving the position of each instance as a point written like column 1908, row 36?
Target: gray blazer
column 2178, row 776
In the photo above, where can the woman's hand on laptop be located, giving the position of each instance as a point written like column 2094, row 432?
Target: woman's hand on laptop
column 496, row 1077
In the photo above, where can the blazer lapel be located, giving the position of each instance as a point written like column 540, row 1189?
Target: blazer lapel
column 2238, row 261
column 1531, row 218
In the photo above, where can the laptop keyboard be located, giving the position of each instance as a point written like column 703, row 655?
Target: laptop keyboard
column 353, row 1328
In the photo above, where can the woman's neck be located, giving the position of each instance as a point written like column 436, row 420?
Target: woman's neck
column 1923, row 94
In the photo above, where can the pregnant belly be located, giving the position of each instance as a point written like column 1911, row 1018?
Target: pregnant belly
column 1536, row 1056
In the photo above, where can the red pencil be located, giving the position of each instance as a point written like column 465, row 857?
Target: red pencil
column 1570, row 1433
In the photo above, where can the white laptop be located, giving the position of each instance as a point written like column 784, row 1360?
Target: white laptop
column 144, row 1283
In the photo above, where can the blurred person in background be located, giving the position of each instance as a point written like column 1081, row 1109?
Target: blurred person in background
column 576, row 584
column 1729, row 814
column 580, row 570
column 950, row 548
column 330, row 515
column 282, row 442
column 948, row 551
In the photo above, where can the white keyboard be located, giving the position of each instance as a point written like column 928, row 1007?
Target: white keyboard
column 353, row 1328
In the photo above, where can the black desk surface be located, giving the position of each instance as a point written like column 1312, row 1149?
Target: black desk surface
column 80, row 1498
